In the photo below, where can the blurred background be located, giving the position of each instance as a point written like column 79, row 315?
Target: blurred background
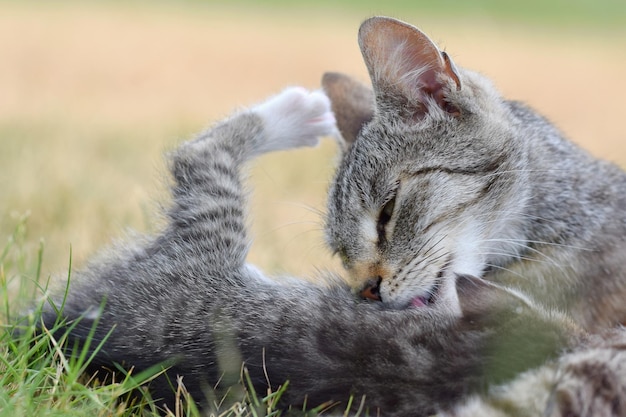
column 92, row 93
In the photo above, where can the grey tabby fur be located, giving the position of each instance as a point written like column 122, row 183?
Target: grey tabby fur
column 444, row 177
column 186, row 299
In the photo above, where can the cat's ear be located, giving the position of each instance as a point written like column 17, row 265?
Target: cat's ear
column 403, row 60
column 351, row 101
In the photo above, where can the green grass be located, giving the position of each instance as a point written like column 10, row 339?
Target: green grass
column 37, row 377
column 601, row 14
column 560, row 12
column 595, row 13
column 41, row 376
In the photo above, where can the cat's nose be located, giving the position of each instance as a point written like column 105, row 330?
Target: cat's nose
column 371, row 290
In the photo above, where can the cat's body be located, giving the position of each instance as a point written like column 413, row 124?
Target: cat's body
column 187, row 298
column 444, row 177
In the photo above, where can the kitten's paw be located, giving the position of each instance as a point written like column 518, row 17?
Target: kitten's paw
column 295, row 118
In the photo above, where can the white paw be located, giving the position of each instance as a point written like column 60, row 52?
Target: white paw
column 294, row 118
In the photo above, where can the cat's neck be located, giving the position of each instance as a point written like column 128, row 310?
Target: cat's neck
column 574, row 225
column 571, row 194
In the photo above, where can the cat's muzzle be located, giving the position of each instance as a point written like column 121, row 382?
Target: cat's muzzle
column 371, row 289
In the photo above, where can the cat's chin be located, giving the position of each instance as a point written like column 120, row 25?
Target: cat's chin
column 441, row 296
column 419, row 302
column 428, row 299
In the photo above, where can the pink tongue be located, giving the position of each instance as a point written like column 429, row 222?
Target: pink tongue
column 418, row 302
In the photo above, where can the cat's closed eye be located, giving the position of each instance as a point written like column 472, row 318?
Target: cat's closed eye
column 384, row 217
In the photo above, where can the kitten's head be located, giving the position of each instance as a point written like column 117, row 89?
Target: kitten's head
column 428, row 187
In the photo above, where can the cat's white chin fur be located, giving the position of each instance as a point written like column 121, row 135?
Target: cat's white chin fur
column 446, row 300
column 295, row 118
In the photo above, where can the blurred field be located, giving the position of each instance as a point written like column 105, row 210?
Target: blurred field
column 92, row 94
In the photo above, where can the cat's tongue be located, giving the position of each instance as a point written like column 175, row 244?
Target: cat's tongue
column 418, row 302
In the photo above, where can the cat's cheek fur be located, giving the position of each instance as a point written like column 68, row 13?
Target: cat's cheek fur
column 468, row 257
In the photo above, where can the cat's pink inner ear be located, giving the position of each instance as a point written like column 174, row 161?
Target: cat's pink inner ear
column 399, row 55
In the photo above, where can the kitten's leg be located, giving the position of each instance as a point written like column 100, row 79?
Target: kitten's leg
column 207, row 216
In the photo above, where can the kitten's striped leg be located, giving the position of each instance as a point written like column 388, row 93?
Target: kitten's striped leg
column 207, row 216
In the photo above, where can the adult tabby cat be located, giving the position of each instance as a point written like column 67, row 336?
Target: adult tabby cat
column 443, row 177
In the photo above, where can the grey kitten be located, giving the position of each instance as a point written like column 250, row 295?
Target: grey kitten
column 185, row 299
column 444, row 177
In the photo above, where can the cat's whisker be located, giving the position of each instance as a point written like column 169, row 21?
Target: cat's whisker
column 432, row 261
column 547, row 261
column 298, row 237
column 525, row 243
column 429, row 254
column 425, row 256
column 523, row 171
column 295, row 223
column 501, row 268
column 522, row 244
column 418, row 268
column 434, row 256
column 319, row 212
column 514, row 254
column 433, row 245
column 521, row 214
column 490, row 214
column 516, row 242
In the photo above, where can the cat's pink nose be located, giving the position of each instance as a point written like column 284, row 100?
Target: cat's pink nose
column 371, row 290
